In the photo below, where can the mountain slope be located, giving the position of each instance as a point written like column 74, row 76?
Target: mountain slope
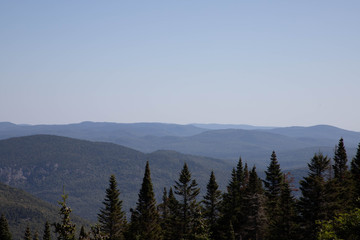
column 22, row 209
column 43, row 164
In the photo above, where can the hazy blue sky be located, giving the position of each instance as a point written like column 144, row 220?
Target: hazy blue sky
column 278, row 63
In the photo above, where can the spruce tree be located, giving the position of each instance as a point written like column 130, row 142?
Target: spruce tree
column 65, row 230
column 111, row 217
column 47, row 234
column 36, row 236
column 255, row 210
column 313, row 204
column 145, row 219
column 173, row 227
column 4, row 229
column 340, row 161
column 341, row 185
column 355, row 174
column 82, row 234
column 27, row 235
column 284, row 225
column 212, row 205
column 187, row 190
column 272, row 183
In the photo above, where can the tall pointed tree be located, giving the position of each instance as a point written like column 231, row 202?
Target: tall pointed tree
column 27, row 235
column 212, row 205
column 273, row 182
column 355, row 173
column 342, row 186
column 187, row 190
column 65, row 229
column 47, row 234
column 340, row 161
column 255, row 210
column 145, row 219
column 111, row 217
column 284, row 225
column 313, row 204
column 36, row 236
column 4, row 229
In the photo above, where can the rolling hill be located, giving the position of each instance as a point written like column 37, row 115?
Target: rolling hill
column 43, row 164
column 22, row 209
column 255, row 144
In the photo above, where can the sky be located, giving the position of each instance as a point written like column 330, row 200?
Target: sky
column 265, row 63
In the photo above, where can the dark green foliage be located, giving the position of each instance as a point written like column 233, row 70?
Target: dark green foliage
column 212, row 205
column 340, row 161
column 341, row 184
column 83, row 235
column 272, row 184
column 344, row 226
column 27, row 234
column 355, row 172
column 47, row 234
column 255, row 224
column 283, row 225
column 65, row 229
column 22, row 209
column 313, row 204
column 111, row 217
column 5, row 233
column 187, row 190
column 172, row 228
column 231, row 233
column 145, row 219
column 36, row 236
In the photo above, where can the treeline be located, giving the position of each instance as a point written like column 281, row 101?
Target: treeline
column 249, row 209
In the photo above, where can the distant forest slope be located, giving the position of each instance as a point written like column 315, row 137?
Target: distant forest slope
column 43, row 164
column 22, row 209
column 254, row 144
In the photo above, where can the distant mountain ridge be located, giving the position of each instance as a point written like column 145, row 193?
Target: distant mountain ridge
column 225, row 142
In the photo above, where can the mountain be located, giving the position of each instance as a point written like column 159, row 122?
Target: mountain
column 254, row 144
column 216, row 126
column 99, row 130
column 22, row 209
column 43, row 164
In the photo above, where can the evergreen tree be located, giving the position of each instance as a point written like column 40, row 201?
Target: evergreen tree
column 255, row 211
column 187, row 189
column 341, row 186
column 284, row 225
column 65, row 230
column 145, row 218
column 212, row 204
column 231, row 233
column 47, row 234
column 172, row 228
column 82, row 234
column 27, row 235
column 313, row 204
column 272, row 184
column 4, row 229
column 340, row 160
column 111, row 218
column 36, row 236
column 355, row 173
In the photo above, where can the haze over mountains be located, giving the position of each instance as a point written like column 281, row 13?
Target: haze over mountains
column 294, row 145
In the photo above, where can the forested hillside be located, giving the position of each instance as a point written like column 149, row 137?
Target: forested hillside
column 249, row 208
column 43, row 164
column 22, row 209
